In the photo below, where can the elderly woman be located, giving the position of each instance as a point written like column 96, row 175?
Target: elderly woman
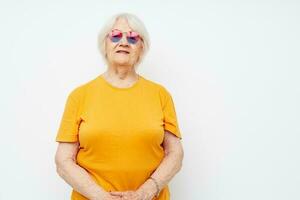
column 119, row 137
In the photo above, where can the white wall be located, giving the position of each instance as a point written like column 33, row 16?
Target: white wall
column 231, row 66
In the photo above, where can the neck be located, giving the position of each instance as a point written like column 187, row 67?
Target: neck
column 121, row 73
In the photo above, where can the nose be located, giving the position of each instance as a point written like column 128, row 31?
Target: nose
column 123, row 40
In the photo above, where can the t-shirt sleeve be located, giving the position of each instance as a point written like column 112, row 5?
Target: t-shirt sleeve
column 169, row 112
column 70, row 120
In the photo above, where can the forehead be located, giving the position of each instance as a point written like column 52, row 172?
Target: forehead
column 122, row 24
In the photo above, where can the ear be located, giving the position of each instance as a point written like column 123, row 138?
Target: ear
column 143, row 47
column 142, row 52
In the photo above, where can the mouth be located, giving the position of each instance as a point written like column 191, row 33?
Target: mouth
column 122, row 52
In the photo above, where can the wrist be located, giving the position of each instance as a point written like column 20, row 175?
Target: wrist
column 148, row 187
column 99, row 195
column 156, row 185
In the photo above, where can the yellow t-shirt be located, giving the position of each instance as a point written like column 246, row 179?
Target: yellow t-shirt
column 120, row 131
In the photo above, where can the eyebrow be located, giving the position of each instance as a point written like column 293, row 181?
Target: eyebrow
column 124, row 31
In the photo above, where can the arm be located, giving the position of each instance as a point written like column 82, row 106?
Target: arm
column 73, row 174
column 170, row 165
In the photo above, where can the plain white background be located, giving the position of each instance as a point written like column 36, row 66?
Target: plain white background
column 232, row 68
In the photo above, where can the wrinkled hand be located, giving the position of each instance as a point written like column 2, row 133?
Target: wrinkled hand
column 108, row 196
column 127, row 195
column 140, row 194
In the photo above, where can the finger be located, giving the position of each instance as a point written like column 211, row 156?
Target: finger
column 116, row 198
column 116, row 193
column 126, row 196
column 121, row 193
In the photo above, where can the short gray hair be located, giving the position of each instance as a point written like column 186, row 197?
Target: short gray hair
column 135, row 23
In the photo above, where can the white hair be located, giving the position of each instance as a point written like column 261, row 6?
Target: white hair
column 135, row 23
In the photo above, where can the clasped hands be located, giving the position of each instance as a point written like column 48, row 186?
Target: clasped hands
column 147, row 192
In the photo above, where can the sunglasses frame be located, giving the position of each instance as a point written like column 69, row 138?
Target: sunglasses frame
column 122, row 34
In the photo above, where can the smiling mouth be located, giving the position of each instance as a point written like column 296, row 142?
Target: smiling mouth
column 122, row 52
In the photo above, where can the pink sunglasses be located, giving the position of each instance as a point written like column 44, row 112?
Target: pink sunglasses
column 116, row 35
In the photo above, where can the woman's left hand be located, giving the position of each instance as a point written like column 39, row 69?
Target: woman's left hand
column 146, row 192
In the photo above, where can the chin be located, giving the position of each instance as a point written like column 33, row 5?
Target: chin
column 122, row 61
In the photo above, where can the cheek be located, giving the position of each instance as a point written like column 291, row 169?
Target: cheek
column 137, row 51
column 109, row 47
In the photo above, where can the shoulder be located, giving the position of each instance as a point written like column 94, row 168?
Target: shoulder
column 155, row 84
column 78, row 92
column 162, row 90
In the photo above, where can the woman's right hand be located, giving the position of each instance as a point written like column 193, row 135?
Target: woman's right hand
column 108, row 196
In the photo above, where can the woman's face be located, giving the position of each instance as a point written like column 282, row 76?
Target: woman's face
column 133, row 50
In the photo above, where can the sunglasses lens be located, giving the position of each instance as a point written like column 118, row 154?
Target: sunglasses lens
column 132, row 37
column 116, row 35
column 132, row 40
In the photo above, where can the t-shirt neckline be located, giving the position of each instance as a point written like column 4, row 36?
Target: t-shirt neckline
column 134, row 85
